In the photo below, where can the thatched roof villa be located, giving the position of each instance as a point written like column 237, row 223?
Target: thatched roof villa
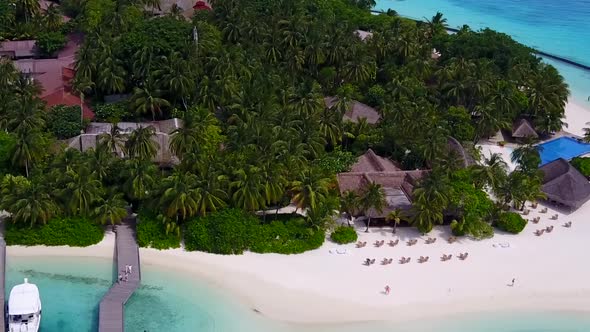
column 397, row 184
column 356, row 111
column 164, row 129
column 564, row 184
column 522, row 128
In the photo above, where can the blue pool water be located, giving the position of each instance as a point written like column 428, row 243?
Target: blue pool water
column 559, row 27
column 563, row 147
column 71, row 289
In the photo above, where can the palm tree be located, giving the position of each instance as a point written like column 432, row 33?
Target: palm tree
column 175, row 76
column 112, row 210
column 424, row 216
column 147, row 99
column 82, row 190
column 189, row 138
column 113, row 140
column 27, row 115
column 349, row 204
column 249, row 189
column 34, row 206
column 208, row 184
column 492, row 173
column 100, row 161
column 52, row 18
column 433, row 190
column 587, row 133
column 309, row 189
column 527, row 157
column 180, row 198
column 28, row 149
column 372, row 198
column 82, row 85
column 141, row 144
column 395, row 217
column 436, row 25
column 140, row 178
column 27, row 8
column 111, row 76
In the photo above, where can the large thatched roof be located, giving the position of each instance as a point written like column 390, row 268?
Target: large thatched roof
column 356, row 111
column 523, row 128
column 397, row 184
column 564, row 184
column 163, row 129
column 466, row 158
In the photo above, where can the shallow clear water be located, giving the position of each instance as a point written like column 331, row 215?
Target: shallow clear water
column 72, row 288
column 560, row 27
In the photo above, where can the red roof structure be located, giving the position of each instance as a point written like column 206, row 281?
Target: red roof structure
column 202, row 5
column 55, row 76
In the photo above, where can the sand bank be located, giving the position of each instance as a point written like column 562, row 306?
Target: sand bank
column 576, row 117
column 321, row 286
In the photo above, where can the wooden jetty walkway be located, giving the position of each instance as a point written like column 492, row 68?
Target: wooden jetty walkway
column 3, row 281
column 111, row 318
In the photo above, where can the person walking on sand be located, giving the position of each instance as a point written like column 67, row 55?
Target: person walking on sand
column 387, row 289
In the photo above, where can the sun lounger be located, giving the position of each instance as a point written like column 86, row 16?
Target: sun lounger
column 544, row 210
column 452, row 239
column 539, row 232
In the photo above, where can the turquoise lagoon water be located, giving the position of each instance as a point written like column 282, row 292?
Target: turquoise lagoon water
column 72, row 288
column 560, row 27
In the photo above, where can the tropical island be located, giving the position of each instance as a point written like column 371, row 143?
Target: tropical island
column 244, row 127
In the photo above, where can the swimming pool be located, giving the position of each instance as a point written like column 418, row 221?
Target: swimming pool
column 563, row 147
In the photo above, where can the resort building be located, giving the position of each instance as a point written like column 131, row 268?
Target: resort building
column 91, row 137
column 19, row 49
column 522, row 128
column 565, row 185
column 397, row 184
column 356, row 111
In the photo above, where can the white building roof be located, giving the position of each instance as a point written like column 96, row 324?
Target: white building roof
column 24, row 299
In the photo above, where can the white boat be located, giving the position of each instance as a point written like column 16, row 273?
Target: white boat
column 24, row 308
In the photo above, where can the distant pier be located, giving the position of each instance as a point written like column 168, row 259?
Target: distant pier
column 3, row 281
column 111, row 313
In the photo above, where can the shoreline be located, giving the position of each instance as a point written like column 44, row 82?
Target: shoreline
column 576, row 117
column 318, row 287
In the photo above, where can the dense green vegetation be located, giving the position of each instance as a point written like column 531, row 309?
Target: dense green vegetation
column 151, row 233
column 582, row 164
column 256, row 132
column 74, row 232
column 65, row 121
column 511, row 222
column 344, row 234
column 231, row 231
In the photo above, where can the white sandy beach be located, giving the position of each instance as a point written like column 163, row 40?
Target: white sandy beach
column 576, row 117
column 551, row 273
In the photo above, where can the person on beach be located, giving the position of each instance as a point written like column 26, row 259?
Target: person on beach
column 130, row 269
column 120, row 278
column 387, row 289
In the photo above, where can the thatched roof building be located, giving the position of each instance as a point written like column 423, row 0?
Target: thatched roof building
column 164, row 129
column 397, row 184
column 363, row 35
column 523, row 128
column 564, row 184
column 456, row 147
column 356, row 111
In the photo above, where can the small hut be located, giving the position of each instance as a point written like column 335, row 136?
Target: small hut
column 363, row 35
column 564, row 184
column 356, row 111
column 523, row 129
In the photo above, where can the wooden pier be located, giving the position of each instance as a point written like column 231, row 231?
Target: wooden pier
column 3, row 281
column 111, row 317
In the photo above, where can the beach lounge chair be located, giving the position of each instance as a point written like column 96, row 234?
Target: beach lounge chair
column 544, row 210
column 539, row 232
column 567, row 224
column 549, row 229
column 390, row 261
column 526, row 212
column 452, row 239
column 402, row 260
column 372, row 261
